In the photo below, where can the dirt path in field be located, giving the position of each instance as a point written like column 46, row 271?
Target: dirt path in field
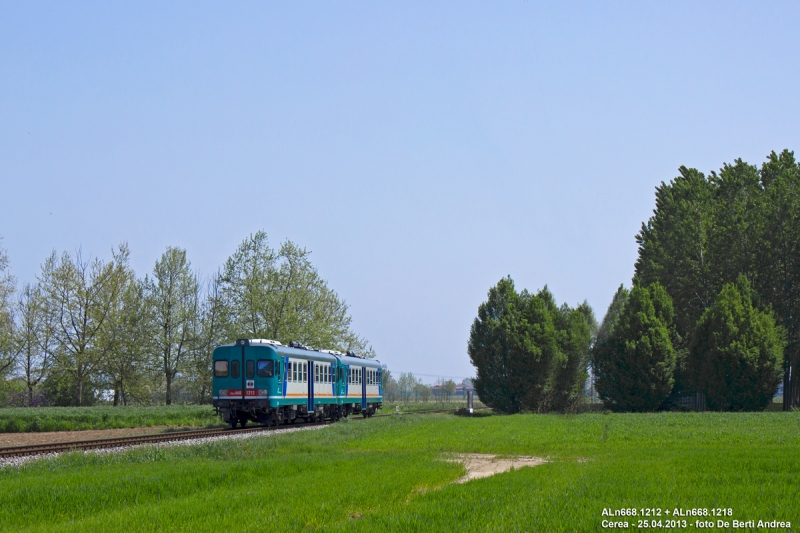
column 24, row 439
column 480, row 465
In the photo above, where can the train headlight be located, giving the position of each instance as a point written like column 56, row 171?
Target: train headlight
column 223, row 392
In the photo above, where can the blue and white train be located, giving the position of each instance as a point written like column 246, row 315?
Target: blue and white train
column 267, row 382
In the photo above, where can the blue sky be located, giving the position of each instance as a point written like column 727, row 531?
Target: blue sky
column 420, row 150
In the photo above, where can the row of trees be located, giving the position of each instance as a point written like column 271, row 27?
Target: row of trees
column 715, row 304
column 408, row 388
column 529, row 353
column 714, row 309
column 88, row 325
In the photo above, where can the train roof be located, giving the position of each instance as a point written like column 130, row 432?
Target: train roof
column 298, row 350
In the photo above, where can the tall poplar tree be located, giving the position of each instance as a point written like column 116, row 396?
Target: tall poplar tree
column 778, row 282
column 172, row 294
column 8, row 349
column 674, row 246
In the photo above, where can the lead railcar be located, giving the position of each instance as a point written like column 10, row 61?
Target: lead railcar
column 267, row 382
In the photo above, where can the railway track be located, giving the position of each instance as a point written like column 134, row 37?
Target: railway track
column 116, row 442
column 94, row 444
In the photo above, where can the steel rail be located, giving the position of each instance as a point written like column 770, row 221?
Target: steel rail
column 57, row 447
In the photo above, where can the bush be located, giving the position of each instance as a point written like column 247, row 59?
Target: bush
column 633, row 358
column 736, row 352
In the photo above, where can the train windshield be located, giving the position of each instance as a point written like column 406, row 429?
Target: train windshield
column 221, row 369
column 266, row 369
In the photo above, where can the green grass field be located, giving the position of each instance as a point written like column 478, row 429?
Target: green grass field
column 25, row 419
column 387, row 474
column 411, row 407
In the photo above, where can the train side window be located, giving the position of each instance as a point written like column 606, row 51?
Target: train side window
column 250, row 369
column 221, row 369
column 294, row 371
column 305, row 373
column 235, row 368
column 266, row 369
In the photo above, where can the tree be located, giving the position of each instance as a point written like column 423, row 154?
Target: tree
column 280, row 295
column 81, row 295
column 172, row 294
column 674, row 246
column 736, row 352
column 8, row 349
column 737, row 228
column 211, row 333
column 633, row 358
column 493, row 346
column 706, row 232
column 405, row 386
column 778, row 282
column 129, row 335
column 569, row 374
column 422, row 392
column 448, row 389
column 529, row 353
column 389, row 386
column 35, row 338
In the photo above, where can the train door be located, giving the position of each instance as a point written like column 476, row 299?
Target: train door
column 249, row 374
column 237, row 365
column 363, row 388
column 286, row 370
column 310, row 405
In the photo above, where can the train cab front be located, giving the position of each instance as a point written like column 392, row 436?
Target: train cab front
column 246, row 374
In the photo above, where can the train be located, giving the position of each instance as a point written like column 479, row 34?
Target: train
column 266, row 382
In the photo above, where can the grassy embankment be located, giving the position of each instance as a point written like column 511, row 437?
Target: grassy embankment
column 387, row 474
column 26, row 419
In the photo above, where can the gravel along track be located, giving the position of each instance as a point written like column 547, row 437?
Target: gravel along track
column 22, row 459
